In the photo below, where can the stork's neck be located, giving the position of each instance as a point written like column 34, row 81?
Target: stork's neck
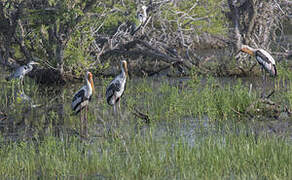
column 123, row 71
column 30, row 67
column 252, row 49
column 88, row 84
column 144, row 12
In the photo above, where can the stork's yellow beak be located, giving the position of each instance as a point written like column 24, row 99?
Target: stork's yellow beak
column 248, row 51
column 90, row 78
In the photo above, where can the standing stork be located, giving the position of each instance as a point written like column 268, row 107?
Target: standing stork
column 81, row 100
column 264, row 58
column 21, row 72
column 142, row 17
column 116, row 88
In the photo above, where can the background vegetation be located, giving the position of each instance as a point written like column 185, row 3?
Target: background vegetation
column 200, row 127
column 70, row 36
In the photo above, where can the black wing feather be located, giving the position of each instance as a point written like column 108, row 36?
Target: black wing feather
column 79, row 94
column 262, row 56
column 110, row 91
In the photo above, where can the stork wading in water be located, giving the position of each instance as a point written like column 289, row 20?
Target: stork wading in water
column 21, row 72
column 81, row 100
column 264, row 59
column 116, row 88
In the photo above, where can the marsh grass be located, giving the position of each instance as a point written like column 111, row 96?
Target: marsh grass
column 146, row 157
column 194, row 132
column 191, row 98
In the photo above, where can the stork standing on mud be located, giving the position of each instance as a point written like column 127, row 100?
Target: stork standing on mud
column 264, row 59
column 116, row 88
column 21, row 72
column 81, row 100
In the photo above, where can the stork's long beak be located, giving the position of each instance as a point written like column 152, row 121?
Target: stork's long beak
column 92, row 84
column 125, row 67
column 248, row 51
column 239, row 51
column 127, row 73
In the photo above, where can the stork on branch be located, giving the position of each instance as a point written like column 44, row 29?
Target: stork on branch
column 116, row 88
column 81, row 101
column 142, row 18
column 264, row 58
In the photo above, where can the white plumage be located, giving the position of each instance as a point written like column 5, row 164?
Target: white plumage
column 143, row 17
column 83, row 96
column 263, row 58
column 117, row 86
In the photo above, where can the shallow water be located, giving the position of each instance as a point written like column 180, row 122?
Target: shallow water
column 42, row 110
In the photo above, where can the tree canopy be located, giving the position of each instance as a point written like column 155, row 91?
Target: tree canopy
column 71, row 36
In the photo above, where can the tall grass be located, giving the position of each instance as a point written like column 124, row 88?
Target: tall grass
column 173, row 146
column 146, row 157
column 191, row 98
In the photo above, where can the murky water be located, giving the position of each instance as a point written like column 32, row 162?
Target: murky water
column 42, row 110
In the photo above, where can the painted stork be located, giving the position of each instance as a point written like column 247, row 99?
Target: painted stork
column 264, row 59
column 116, row 88
column 21, row 72
column 81, row 100
column 142, row 17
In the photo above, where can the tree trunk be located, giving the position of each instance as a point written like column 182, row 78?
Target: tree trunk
column 60, row 57
column 235, row 21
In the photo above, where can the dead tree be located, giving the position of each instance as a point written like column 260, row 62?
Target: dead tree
column 160, row 42
column 257, row 23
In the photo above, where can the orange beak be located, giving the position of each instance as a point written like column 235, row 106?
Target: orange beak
column 90, row 77
column 125, row 68
column 248, row 51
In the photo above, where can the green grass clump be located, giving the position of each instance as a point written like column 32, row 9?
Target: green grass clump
column 192, row 133
column 191, row 98
column 146, row 157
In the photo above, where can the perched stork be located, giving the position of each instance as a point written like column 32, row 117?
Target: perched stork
column 81, row 100
column 21, row 72
column 264, row 59
column 117, row 86
column 141, row 17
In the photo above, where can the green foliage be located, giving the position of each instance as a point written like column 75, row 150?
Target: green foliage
column 204, row 16
column 121, row 14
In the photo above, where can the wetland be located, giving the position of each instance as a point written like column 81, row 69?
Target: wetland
column 198, row 127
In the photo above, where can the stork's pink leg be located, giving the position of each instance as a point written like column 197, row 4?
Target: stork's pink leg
column 265, row 75
column 81, row 122
column 115, row 111
column 86, row 122
column 120, row 104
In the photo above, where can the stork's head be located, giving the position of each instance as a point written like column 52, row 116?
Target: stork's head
column 144, row 8
column 89, row 77
column 247, row 49
column 124, row 66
